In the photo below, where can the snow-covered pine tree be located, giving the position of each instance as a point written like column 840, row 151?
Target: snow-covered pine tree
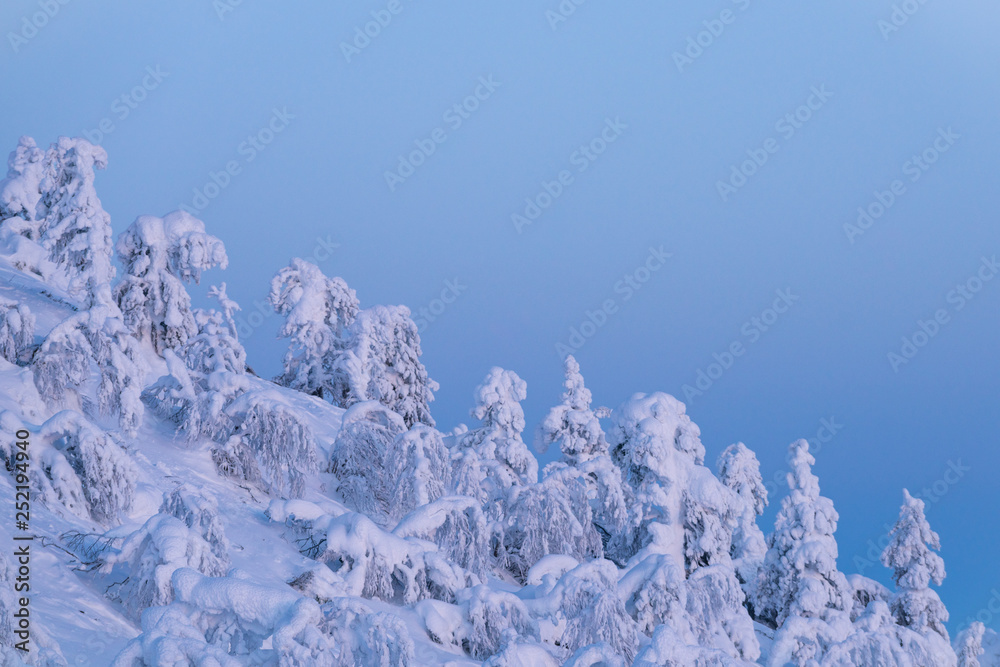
column 381, row 362
column 575, row 428
column 799, row 576
column 655, row 444
column 17, row 330
column 20, row 192
column 159, row 256
column 739, row 470
column 74, row 227
column 911, row 556
column 492, row 459
column 969, row 645
column 94, row 340
column 317, row 310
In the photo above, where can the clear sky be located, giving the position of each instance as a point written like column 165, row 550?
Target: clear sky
column 627, row 125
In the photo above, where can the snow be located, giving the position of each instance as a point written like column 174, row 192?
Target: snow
column 187, row 512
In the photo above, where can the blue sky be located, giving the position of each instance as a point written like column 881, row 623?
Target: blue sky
column 829, row 106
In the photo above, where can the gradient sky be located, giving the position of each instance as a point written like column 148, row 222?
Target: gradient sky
column 224, row 69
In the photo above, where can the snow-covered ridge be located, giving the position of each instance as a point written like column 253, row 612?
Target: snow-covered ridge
column 188, row 512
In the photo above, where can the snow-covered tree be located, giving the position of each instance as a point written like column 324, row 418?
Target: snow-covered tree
column 572, row 425
column 225, row 621
column 591, row 610
column 93, row 341
column 969, row 645
column 199, row 512
column 20, row 191
column 366, row 637
column 317, row 310
column 273, row 444
column 550, row 517
column 493, row 458
column 381, row 362
column 359, row 458
column 74, row 227
column 149, row 557
column 17, row 330
column 159, row 256
column 739, row 470
column 456, row 524
column 490, row 614
column 75, row 465
column 418, row 468
column 656, row 445
column 911, row 555
column 576, row 429
column 799, row 576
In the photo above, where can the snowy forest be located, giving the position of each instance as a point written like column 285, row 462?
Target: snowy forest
column 187, row 512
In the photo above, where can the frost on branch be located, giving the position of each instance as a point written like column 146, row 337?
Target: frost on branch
column 456, row 524
column 159, row 256
column 317, row 310
column 359, row 458
column 17, row 330
column 666, row 650
column 799, row 576
column 149, row 557
column 911, row 555
column 93, row 341
column 381, row 362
